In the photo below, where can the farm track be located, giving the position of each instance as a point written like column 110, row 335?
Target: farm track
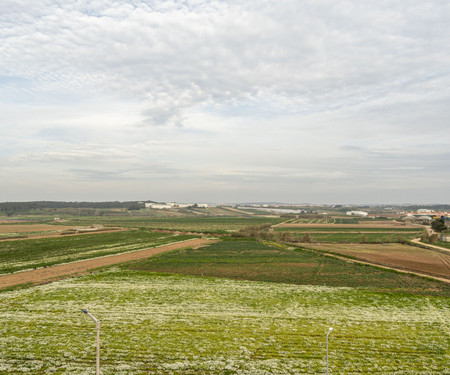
column 48, row 274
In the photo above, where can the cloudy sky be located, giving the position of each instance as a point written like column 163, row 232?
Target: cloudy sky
column 321, row 101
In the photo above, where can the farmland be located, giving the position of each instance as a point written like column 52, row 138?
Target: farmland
column 207, row 224
column 350, row 232
column 236, row 306
column 249, row 260
column 35, row 253
column 401, row 256
column 168, row 324
column 367, row 237
column 11, row 231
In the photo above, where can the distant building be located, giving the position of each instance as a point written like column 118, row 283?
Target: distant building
column 357, row 213
column 157, row 206
column 179, row 205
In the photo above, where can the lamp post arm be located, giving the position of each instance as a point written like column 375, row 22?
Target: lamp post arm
column 97, row 324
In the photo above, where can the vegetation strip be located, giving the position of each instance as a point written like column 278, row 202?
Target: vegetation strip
column 45, row 274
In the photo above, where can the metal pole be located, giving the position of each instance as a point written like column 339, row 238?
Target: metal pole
column 98, row 347
column 97, row 324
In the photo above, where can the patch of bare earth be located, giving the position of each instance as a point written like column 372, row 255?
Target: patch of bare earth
column 399, row 256
column 44, row 275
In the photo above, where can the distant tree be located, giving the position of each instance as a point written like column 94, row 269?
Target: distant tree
column 438, row 225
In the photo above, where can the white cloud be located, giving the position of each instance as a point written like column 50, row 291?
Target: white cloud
column 243, row 90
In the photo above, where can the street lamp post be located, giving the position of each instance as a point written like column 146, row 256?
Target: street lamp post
column 329, row 331
column 97, row 324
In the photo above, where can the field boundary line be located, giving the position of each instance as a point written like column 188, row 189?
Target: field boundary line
column 434, row 247
column 48, row 274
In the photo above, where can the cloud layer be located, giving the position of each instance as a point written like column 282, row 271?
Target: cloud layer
column 319, row 101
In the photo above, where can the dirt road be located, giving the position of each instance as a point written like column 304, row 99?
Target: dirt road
column 417, row 241
column 44, row 275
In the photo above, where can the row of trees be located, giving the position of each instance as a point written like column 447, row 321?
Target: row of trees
column 16, row 207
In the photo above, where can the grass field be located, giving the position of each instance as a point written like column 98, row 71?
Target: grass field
column 249, row 260
column 35, row 253
column 163, row 324
column 358, row 237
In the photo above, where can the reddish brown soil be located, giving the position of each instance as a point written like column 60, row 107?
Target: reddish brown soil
column 44, row 275
column 395, row 255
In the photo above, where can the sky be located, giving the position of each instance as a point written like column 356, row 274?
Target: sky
column 296, row 101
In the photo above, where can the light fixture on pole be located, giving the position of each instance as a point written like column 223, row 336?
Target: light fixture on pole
column 329, row 331
column 97, row 324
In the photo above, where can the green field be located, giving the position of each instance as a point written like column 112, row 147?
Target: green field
column 237, row 306
column 359, row 237
column 166, row 324
column 249, row 260
column 35, row 253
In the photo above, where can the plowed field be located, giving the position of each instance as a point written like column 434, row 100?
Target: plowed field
column 399, row 256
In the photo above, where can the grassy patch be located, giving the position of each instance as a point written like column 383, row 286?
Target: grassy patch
column 162, row 325
column 248, row 260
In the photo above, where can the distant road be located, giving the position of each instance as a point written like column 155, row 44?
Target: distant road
column 48, row 274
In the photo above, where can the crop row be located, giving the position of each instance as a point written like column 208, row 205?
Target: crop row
column 35, row 253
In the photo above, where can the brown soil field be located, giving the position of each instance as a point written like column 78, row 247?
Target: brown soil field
column 17, row 228
column 44, row 275
column 395, row 255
